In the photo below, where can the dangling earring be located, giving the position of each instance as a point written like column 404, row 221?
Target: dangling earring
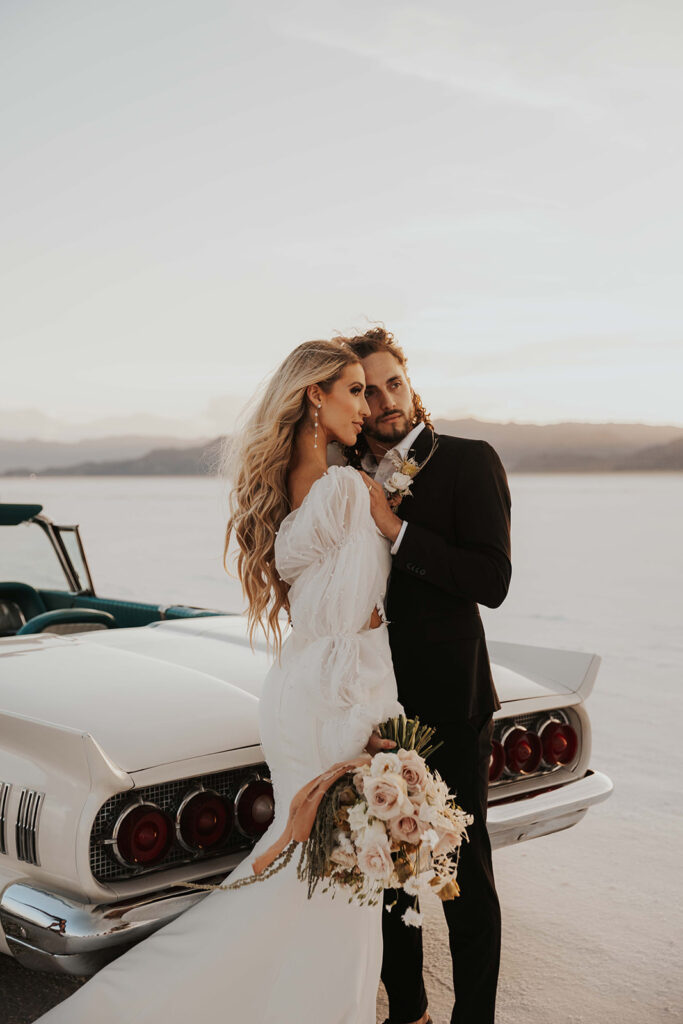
column 315, row 435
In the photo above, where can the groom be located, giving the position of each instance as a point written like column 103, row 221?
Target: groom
column 451, row 552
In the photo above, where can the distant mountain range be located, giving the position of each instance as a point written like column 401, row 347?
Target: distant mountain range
column 523, row 448
column 38, row 456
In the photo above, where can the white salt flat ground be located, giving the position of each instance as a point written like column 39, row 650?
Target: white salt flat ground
column 593, row 916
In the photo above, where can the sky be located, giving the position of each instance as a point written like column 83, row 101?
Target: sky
column 189, row 190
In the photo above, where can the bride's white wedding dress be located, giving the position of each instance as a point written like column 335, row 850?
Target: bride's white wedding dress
column 265, row 953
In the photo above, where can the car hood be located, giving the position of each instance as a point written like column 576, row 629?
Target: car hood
column 142, row 710
column 182, row 688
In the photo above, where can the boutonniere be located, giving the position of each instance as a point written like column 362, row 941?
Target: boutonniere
column 397, row 486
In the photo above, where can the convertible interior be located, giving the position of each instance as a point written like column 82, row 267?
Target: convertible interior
column 27, row 608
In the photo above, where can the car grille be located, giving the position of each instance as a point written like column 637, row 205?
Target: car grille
column 168, row 796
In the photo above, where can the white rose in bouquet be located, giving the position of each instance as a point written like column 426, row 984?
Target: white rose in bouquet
column 374, row 856
column 358, row 818
column 384, row 762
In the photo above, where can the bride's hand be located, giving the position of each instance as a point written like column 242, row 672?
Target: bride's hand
column 388, row 523
column 376, row 743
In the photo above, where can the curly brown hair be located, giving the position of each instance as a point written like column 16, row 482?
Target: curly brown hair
column 379, row 339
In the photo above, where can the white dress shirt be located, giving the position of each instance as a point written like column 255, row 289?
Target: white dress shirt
column 382, row 471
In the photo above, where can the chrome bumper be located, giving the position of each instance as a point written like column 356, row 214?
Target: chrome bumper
column 49, row 932
column 545, row 811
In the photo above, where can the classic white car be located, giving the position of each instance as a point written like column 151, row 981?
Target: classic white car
column 130, row 756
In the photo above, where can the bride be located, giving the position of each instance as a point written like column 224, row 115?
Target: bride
column 264, row 953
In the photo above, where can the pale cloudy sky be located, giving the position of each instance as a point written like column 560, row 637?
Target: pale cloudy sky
column 189, row 189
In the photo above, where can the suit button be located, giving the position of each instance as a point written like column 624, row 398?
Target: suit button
column 422, row 571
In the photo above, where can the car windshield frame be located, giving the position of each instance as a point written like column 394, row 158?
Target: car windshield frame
column 76, row 576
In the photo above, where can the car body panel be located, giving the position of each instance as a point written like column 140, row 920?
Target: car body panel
column 170, row 712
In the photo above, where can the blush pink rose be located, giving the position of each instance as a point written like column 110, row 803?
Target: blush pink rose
column 406, row 829
column 414, row 772
column 386, row 795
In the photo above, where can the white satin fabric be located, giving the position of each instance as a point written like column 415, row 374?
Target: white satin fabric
column 265, row 953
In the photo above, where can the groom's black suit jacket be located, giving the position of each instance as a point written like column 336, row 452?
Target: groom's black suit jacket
column 454, row 555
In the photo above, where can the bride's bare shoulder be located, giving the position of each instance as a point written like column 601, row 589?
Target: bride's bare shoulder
column 299, row 483
column 301, row 479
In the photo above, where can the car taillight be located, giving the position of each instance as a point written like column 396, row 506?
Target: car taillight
column 496, row 761
column 522, row 751
column 142, row 834
column 559, row 742
column 203, row 821
column 254, row 807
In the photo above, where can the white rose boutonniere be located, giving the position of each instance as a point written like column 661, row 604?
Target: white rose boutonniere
column 397, row 487
column 398, row 482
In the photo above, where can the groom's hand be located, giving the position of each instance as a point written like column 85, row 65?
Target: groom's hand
column 388, row 523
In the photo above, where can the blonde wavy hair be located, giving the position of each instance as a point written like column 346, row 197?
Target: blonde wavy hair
column 256, row 461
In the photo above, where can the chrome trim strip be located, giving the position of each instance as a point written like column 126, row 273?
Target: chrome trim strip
column 26, row 829
column 5, row 789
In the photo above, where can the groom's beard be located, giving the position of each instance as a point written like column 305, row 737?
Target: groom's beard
column 389, row 431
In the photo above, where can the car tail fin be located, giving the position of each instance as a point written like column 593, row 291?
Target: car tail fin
column 561, row 670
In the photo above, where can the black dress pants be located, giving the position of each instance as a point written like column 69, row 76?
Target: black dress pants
column 473, row 917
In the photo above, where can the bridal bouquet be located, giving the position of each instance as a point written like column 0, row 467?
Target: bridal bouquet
column 374, row 823
column 386, row 822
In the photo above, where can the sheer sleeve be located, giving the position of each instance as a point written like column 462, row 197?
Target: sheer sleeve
column 337, row 564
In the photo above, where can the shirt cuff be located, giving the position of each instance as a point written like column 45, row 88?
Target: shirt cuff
column 395, row 545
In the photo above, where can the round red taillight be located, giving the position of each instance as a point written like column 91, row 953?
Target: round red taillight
column 496, row 761
column 142, row 834
column 204, row 820
column 255, row 807
column 522, row 751
column 559, row 742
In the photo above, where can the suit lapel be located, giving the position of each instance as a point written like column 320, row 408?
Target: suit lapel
column 422, row 445
column 419, row 451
